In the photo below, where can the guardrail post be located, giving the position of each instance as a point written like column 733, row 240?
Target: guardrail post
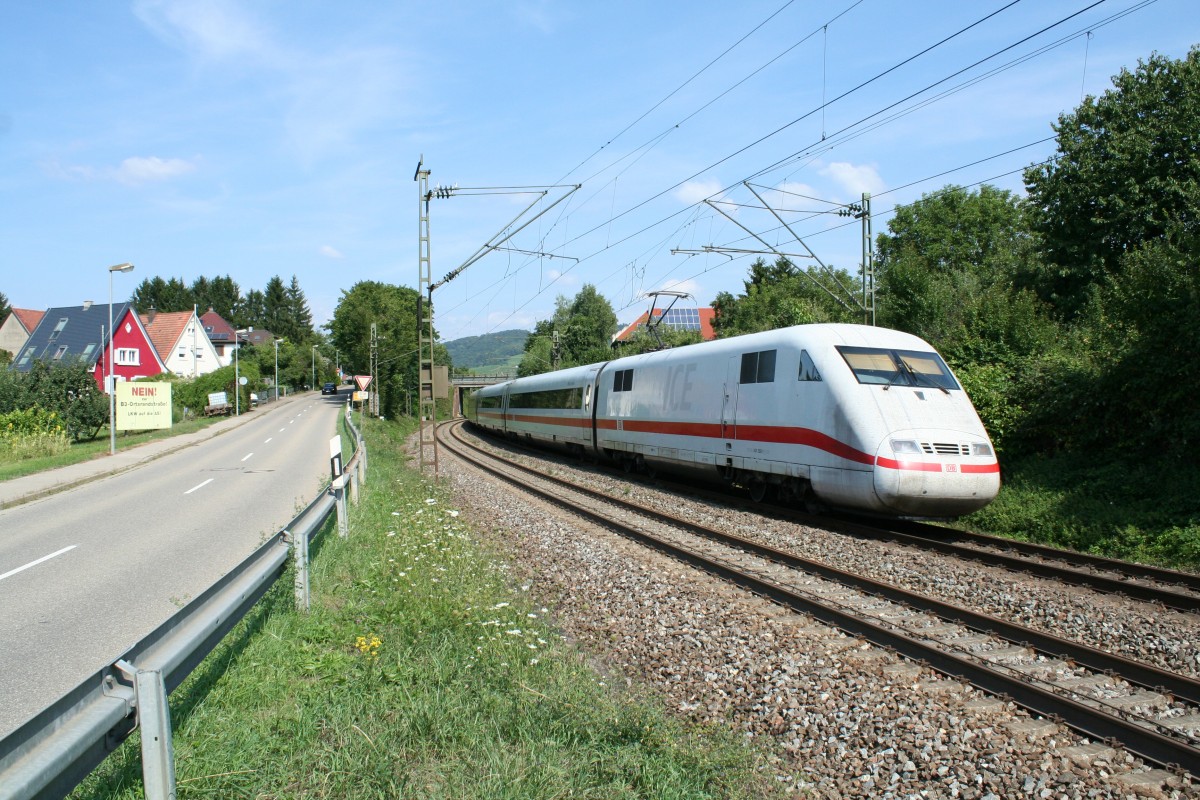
column 354, row 485
column 154, row 718
column 300, row 552
column 339, row 495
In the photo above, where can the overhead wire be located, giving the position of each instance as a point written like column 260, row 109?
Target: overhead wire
column 858, row 123
column 875, row 114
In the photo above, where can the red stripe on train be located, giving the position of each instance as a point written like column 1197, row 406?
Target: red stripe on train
column 759, row 433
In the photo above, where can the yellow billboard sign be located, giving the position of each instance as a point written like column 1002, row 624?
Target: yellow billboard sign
column 143, row 406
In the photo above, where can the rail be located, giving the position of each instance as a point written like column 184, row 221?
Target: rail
column 51, row 753
column 1093, row 720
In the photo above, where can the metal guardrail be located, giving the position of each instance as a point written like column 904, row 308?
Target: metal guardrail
column 51, row 753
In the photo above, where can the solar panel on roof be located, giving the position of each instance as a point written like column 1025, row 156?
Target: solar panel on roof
column 684, row 319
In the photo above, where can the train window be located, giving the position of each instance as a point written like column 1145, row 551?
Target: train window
column 550, row 398
column 623, row 380
column 898, row 367
column 758, row 367
column 808, row 370
column 492, row 401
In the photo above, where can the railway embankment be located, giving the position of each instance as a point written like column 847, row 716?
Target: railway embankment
column 424, row 669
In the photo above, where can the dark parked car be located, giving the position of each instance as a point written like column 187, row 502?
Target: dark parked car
column 329, row 388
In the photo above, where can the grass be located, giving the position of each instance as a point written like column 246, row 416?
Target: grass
column 86, row 451
column 420, row 672
column 1141, row 509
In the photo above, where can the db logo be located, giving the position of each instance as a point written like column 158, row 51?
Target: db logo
column 950, row 467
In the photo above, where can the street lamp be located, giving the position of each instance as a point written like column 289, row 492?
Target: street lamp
column 314, row 366
column 277, row 341
column 112, row 383
column 237, row 379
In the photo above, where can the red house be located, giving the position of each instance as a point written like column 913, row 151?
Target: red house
column 81, row 333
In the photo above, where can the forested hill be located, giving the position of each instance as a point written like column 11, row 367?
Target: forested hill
column 492, row 351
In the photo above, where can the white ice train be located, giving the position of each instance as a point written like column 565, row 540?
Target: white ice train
column 845, row 416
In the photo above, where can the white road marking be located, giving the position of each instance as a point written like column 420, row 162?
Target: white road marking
column 268, row 441
column 281, row 430
column 247, row 456
column 12, row 572
column 199, row 486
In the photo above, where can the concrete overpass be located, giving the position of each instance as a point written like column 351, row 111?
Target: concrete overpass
column 461, row 383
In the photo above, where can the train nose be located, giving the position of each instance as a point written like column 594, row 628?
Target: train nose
column 936, row 473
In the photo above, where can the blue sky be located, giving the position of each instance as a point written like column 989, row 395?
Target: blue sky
column 280, row 138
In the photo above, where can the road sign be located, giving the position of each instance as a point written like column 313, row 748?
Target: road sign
column 363, row 381
column 143, row 406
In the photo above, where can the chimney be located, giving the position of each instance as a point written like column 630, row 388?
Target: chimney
column 151, row 315
column 87, row 304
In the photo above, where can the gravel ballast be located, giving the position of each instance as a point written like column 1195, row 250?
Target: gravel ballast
column 837, row 716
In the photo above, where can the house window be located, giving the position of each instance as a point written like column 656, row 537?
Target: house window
column 60, row 352
column 623, row 380
column 758, row 367
column 28, row 354
column 87, row 351
column 128, row 357
column 62, row 323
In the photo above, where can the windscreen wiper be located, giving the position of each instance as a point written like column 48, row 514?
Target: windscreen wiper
column 917, row 377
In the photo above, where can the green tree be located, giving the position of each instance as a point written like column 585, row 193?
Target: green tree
column 301, row 316
column 162, row 295
column 66, row 388
column 1148, row 329
column 393, row 310
column 5, row 308
column 642, row 341
column 1126, row 172
column 278, row 309
column 222, row 295
column 947, row 268
column 584, row 326
column 251, row 311
column 778, row 295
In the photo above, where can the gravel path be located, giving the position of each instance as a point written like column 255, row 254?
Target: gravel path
column 839, row 717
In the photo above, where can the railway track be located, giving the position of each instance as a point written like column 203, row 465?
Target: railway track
column 1169, row 588
column 1150, row 711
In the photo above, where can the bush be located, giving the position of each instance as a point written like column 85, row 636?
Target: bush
column 68, row 389
column 192, row 393
column 31, row 433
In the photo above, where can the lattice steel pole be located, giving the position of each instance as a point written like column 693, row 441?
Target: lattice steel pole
column 868, row 261
column 426, row 403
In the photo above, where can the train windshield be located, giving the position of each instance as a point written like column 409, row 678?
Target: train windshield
column 898, row 367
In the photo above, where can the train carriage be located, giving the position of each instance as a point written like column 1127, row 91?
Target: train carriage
column 848, row 416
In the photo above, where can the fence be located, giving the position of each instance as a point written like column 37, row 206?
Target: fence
column 51, row 753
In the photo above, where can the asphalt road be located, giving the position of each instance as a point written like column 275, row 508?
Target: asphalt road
column 86, row 573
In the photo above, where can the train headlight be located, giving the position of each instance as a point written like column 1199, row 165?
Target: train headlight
column 981, row 449
column 905, row 447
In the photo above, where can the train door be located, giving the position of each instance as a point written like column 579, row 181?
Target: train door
column 733, row 374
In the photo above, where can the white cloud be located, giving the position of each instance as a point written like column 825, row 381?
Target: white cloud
column 331, row 252
column 693, row 192
column 152, row 168
column 792, row 195
column 854, row 179
column 687, row 285
column 132, row 172
column 212, row 30
column 329, row 97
